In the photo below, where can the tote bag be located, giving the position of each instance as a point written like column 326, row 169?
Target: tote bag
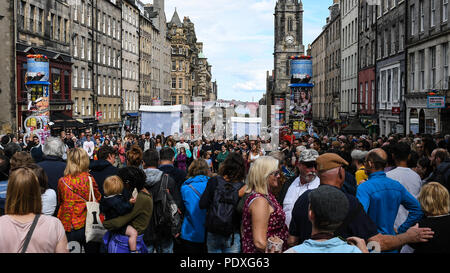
column 94, row 229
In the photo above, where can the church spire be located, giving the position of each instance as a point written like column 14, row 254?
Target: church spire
column 176, row 19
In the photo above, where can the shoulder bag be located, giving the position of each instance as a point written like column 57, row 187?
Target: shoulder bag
column 30, row 233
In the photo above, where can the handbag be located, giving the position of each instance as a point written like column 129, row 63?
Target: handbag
column 94, row 229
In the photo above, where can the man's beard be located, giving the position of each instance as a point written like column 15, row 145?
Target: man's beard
column 309, row 177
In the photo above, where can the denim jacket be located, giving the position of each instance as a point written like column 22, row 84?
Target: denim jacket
column 381, row 198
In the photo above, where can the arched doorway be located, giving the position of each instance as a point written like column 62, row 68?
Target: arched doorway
column 413, row 121
column 422, row 121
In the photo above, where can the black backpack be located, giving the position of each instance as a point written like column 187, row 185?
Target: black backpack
column 166, row 215
column 219, row 218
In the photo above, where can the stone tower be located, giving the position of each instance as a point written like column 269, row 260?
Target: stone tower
column 288, row 42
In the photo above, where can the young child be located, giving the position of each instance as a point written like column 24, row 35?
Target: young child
column 114, row 204
column 207, row 157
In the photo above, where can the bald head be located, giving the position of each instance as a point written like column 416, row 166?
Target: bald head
column 376, row 160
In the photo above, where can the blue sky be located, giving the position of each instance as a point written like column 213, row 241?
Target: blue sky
column 238, row 39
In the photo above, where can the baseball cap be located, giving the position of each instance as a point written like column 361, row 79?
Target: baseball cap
column 330, row 207
column 308, row 155
column 329, row 161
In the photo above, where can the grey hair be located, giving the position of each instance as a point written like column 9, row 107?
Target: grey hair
column 53, row 147
column 359, row 155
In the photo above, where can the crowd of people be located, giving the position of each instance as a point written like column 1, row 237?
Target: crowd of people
column 164, row 194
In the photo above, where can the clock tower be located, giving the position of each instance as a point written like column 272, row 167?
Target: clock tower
column 288, row 42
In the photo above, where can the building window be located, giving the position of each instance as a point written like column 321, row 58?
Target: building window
column 412, row 70
column 109, row 86
column 413, row 20
column 83, row 77
column 75, row 46
column 99, row 86
column 180, row 83
column 83, row 106
column 75, row 108
column 83, row 47
column 174, row 83
column 433, row 12
column 422, row 70
column 422, row 16
column 445, row 62
column 174, row 100
column 104, row 85
column 445, row 11
column 433, row 67
column 89, row 108
column 75, row 77
column 89, row 79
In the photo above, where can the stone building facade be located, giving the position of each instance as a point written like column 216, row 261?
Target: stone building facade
column 145, row 63
column 8, row 110
column 130, row 64
column 82, row 58
column 349, row 58
column 161, row 53
column 45, row 27
column 366, row 66
column 391, row 66
column 428, row 38
column 181, row 69
column 107, row 64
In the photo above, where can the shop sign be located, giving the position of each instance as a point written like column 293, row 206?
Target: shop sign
column 436, row 102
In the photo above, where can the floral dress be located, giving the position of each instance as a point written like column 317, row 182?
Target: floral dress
column 276, row 227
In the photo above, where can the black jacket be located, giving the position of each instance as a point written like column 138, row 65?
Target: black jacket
column 54, row 168
column 100, row 170
column 441, row 174
column 179, row 177
column 115, row 206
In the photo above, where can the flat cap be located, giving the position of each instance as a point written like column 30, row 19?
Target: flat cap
column 329, row 161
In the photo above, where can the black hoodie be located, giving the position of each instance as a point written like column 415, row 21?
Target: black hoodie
column 100, row 170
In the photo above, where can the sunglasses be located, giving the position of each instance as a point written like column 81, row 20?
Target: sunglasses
column 275, row 173
column 309, row 165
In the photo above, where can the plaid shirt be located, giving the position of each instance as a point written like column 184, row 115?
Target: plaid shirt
column 72, row 211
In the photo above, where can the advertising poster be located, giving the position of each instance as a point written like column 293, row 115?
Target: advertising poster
column 37, row 85
column 300, row 108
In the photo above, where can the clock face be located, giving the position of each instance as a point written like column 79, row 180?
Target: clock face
column 289, row 39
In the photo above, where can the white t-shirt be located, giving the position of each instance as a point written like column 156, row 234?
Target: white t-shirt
column 295, row 190
column 49, row 201
column 179, row 145
column 412, row 182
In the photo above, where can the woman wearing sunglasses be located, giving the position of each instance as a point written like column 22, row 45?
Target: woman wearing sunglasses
column 263, row 217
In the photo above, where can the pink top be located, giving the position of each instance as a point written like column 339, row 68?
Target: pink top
column 276, row 225
column 48, row 232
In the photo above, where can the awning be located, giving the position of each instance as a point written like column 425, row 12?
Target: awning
column 134, row 115
column 63, row 121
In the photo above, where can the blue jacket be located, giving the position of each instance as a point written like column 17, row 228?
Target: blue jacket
column 193, row 228
column 381, row 197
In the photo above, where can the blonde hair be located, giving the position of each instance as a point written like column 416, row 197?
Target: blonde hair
column 434, row 199
column 113, row 185
column 23, row 195
column 259, row 171
column 77, row 162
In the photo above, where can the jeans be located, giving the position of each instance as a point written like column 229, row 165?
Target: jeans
column 161, row 247
column 217, row 243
